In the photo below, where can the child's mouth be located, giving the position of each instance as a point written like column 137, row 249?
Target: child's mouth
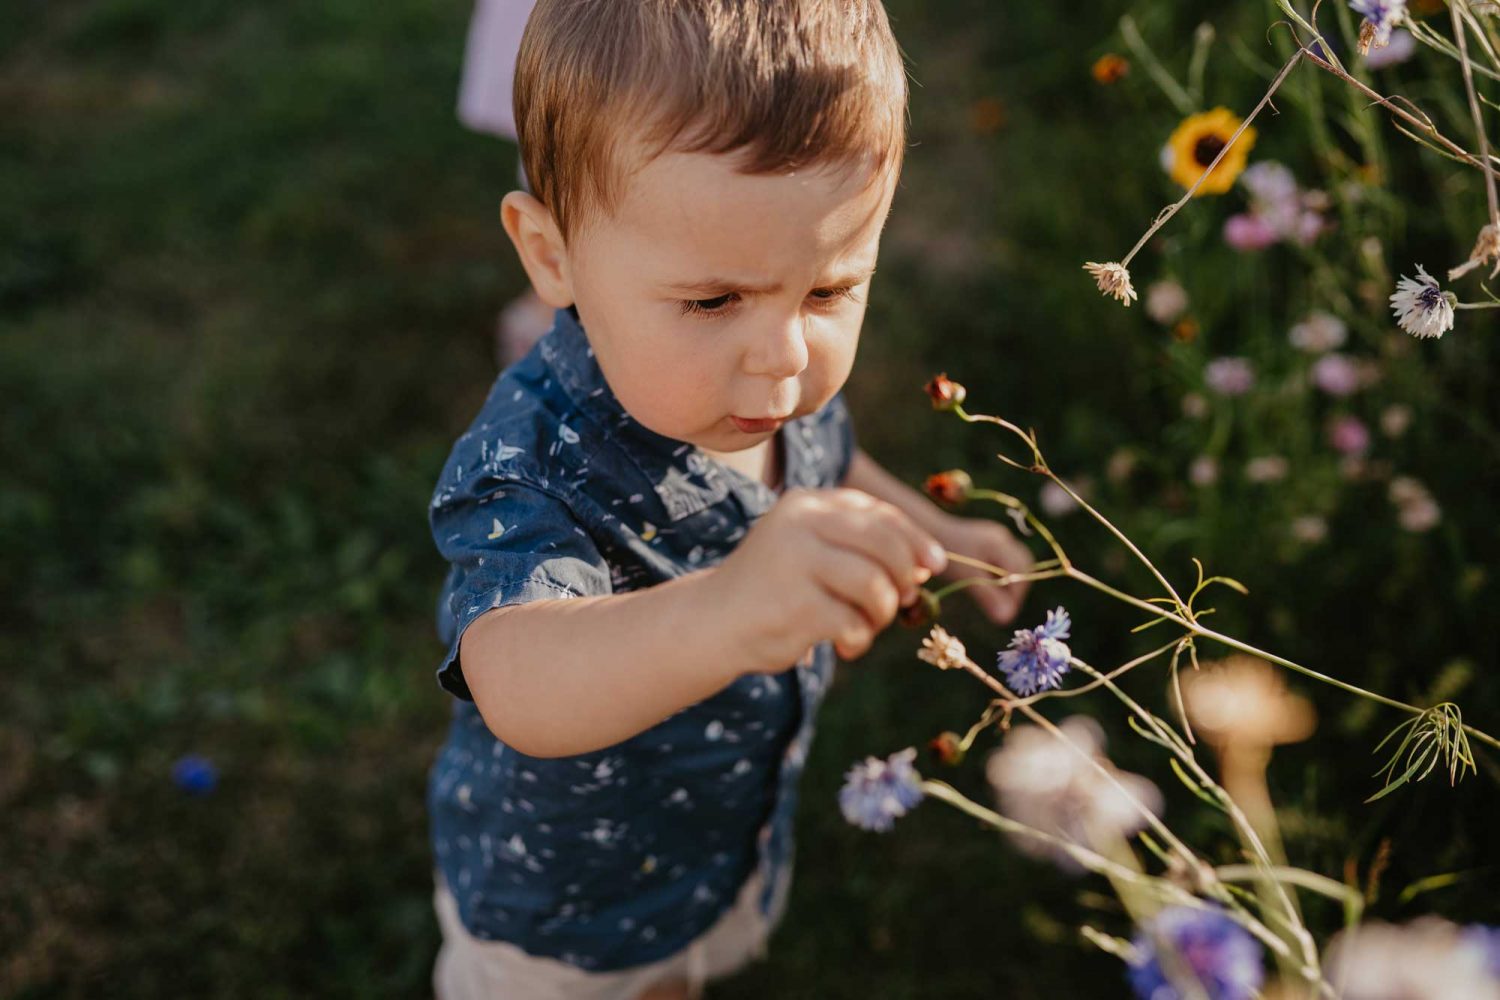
column 748, row 426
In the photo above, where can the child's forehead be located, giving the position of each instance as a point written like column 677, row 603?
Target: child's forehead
column 705, row 205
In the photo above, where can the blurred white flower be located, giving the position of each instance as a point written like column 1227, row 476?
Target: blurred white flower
column 1421, row 306
column 1122, row 463
column 1049, row 784
column 1416, row 510
column 1204, row 471
column 1242, row 701
column 1318, row 332
column 1194, row 406
column 1266, row 469
column 1427, row 959
column 1309, row 528
column 1166, row 300
column 1055, row 501
column 1395, row 419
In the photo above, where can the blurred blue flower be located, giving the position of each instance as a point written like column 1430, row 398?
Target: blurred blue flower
column 878, row 791
column 195, row 775
column 1380, row 17
column 1037, row 657
column 1219, row 952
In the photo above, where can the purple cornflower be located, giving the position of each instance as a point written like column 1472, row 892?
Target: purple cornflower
column 1229, row 376
column 195, row 775
column 1037, row 657
column 878, row 791
column 1380, row 17
column 1220, row 953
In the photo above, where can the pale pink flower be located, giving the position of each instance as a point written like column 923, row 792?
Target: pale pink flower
column 1349, row 436
column 1194, row 406
column 1166, row 301
column 1204, row 471
column 1309, row 528
column 1055, row 501
column 1230, row 376
column 1247, row 232
column 1337, row 375
column 1318, row 332
column 1395, row 419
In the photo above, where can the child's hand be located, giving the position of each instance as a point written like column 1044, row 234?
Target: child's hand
column 993, row 543
column 826, row 564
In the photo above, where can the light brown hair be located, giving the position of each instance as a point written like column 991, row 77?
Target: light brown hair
column 786, row 84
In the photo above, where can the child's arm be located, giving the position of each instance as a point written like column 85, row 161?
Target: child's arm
column 978, row 538
column 554, row 678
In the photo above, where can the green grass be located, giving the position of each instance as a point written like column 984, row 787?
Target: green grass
column 247, row 280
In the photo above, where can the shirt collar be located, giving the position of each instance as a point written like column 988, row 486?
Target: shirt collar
column 685, row 479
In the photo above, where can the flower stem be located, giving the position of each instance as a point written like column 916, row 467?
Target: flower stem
column 1460, row 33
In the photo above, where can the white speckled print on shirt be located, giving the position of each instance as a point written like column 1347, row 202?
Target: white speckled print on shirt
column 622, row 856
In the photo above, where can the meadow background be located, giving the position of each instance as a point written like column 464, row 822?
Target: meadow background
column 249, row 266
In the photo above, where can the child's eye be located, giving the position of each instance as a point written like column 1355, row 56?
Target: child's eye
column 717, row 304
column 828, row 296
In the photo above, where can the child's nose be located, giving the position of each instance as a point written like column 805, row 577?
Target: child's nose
column 780, row 350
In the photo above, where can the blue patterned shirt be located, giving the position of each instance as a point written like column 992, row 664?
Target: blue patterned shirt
column 622, row 856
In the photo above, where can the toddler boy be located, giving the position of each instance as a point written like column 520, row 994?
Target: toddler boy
column 653, row 562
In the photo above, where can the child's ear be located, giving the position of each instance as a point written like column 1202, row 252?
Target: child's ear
column 540, row 244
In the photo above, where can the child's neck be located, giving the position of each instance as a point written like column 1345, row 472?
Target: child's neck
column 762, row 462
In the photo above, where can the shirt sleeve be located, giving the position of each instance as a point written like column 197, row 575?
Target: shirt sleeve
column 512, row 545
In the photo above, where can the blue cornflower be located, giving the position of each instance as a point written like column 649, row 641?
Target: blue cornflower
column 195, row 775
column 878, row 791
column 1037, row 657
column 1222, row 955
column 1380, row 17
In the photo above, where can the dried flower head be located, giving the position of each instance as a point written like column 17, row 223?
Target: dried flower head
column 942, row 650
column 949, row 488
column 945, row 393
column 878, row 791
column 1486, row 248
column 1421, row 306
column 1112, row 279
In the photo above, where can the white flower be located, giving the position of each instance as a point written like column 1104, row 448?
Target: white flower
column 1203, row 471
column 1395, row 419
column 1427, row 959
column 942, row 650
column 1166, row 301
column 1112, row 279
column 1049, row 784
column 1421, row 306
column 1194, row 406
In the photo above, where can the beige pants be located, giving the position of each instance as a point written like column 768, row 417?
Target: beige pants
column 471, row 969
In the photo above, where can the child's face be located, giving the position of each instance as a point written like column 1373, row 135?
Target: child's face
column 721, row 304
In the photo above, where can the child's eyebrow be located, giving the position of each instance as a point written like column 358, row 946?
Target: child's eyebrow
column 707, row 287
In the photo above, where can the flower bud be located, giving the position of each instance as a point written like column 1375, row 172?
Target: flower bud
column 945, row 393
column 947, row 748
column 949, row 488
column 921, row 611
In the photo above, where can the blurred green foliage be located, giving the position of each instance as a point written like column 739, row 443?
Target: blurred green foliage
column 249, row 269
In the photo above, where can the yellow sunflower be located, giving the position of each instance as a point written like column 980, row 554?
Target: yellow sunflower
column 1197, row 141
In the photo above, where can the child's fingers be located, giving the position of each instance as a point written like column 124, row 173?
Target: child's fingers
column 861, row 584
column 883, row 533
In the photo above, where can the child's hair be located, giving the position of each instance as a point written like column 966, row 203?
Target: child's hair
column 787, row 83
